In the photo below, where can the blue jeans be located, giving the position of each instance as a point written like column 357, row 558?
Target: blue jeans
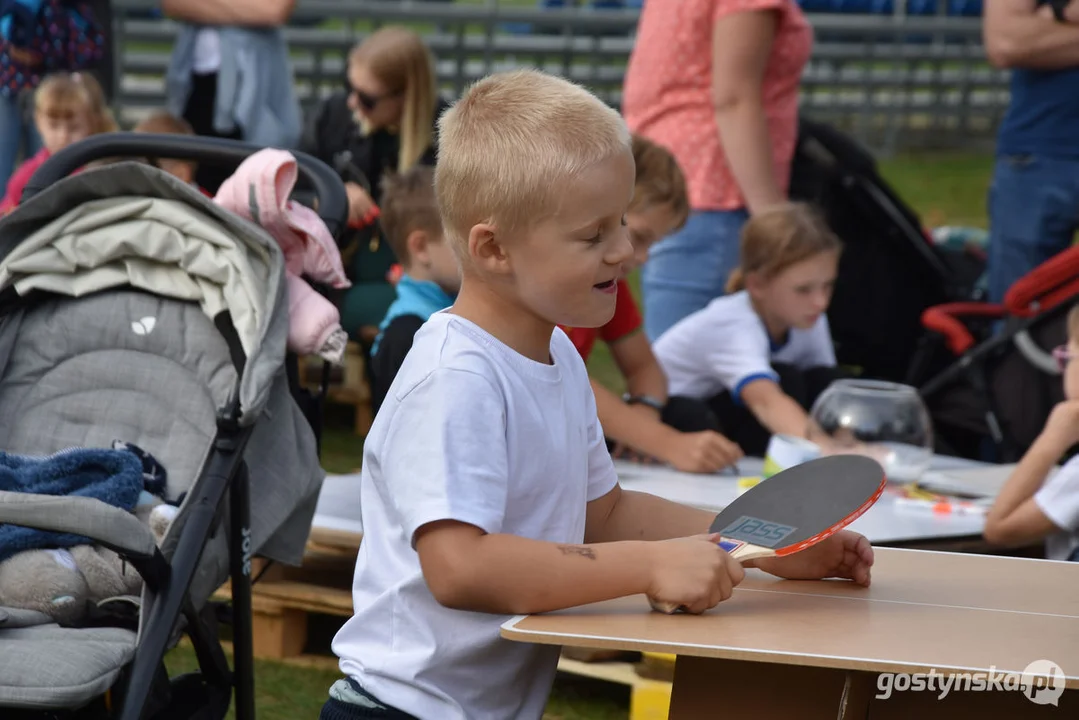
column 17, row 131
column 1033, row 215
column 688, row 269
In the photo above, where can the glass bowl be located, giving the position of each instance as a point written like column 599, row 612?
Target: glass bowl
column 887, row 421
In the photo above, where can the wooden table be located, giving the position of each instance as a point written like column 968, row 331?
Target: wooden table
column 809, row 650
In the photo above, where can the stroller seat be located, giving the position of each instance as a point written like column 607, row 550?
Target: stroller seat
column 46, row 666
column 133, row 308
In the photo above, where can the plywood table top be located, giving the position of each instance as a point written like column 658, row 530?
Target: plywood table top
column 924, row 610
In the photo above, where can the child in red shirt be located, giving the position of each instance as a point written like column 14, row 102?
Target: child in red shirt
column 645, row 422
column 68, row 107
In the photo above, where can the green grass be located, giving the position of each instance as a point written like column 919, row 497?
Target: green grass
column 943, row 189
column 287, row 692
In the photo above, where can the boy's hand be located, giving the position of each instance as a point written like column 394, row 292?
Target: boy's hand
column 845, row 555
column 702, row 452
column 1062, row 427
column 693, row 572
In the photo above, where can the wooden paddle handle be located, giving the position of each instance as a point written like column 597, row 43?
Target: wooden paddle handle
column 738, row 550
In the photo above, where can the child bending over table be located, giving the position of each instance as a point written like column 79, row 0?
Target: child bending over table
column 487, row 489
column 761, row 355
column 1034, row 505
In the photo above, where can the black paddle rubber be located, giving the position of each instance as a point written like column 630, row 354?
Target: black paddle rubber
column 799, row 506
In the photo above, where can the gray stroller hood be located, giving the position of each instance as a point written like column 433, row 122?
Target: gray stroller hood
column 159, row 311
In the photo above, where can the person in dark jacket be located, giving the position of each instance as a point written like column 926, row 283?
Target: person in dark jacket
column 383, row 122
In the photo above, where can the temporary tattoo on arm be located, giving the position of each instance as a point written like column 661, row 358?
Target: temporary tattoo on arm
column 585, row 552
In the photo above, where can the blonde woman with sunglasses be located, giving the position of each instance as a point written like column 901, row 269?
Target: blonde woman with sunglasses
column 382, row 122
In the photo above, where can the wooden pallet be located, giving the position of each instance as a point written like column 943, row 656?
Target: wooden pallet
column 284, row 598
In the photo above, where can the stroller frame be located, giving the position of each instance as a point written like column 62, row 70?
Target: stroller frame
column 973, row 367
column 208, row 692
column 1043, row 296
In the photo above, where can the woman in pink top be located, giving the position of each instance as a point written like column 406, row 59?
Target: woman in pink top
column 716, row 82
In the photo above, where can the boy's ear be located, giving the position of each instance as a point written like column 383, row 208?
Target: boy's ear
column 486, row 250
column 416, row 242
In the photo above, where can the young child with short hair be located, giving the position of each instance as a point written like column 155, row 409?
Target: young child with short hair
column 430, row 275
column 165, row 123
column 762, row 354
column 68, row 107
column 646, row 421
column 1036, row 503
column 487, row 489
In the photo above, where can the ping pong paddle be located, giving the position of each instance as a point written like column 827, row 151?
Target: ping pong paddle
column 797, row 508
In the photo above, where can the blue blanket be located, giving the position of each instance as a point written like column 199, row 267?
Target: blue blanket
column 117, row 477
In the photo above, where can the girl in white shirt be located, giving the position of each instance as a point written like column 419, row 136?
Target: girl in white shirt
column 761, row 354
column 1037, row 504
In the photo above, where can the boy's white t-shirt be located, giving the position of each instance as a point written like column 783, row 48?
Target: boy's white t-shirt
column 1058, row 498
column 725, row 346
column 470, row 431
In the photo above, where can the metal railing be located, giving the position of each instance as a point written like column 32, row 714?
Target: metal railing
column 893, row 81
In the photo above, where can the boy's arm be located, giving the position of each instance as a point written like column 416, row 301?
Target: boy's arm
column 776, row 410
column 628, row 515
column 641, row 429
column 623, row 514
column 468, row 569
column 634, row 357
column 637, row 426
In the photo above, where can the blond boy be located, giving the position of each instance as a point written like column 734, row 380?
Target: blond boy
column 487, row 489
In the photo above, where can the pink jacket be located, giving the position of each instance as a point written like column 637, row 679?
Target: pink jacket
column 259, row 191
column 17, row 183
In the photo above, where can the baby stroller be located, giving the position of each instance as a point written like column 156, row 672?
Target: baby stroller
column 1001, row 386
column 133, row 307
column 890, row 270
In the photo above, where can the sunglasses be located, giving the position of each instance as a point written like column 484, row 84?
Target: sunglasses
column 367, row 101
column 1062, row 356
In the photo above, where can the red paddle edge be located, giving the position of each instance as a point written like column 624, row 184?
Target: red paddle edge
column 809, row 542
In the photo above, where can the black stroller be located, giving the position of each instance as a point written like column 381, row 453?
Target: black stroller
column 207, row 387
column 890, row 271
column 994, row 398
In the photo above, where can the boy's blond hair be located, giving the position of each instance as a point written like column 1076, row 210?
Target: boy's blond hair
column 509, row 146
column 408, row 204
column 1073, row 324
